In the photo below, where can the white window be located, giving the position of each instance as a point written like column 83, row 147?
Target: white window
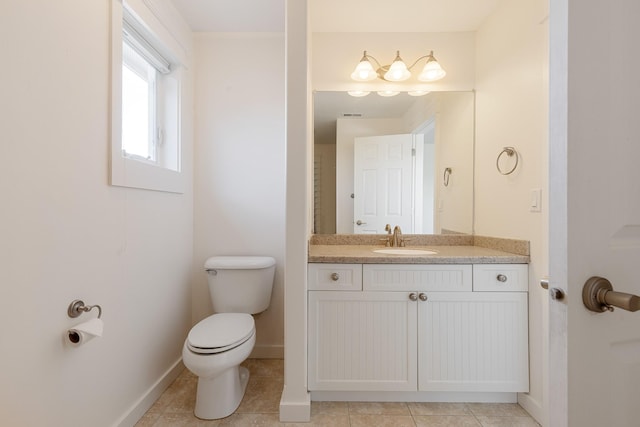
column 146, row 148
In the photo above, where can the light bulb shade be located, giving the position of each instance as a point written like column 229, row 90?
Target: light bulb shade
column 432, row 71
column 398, row 71
column 364, row 71
column 358, row 93
column 388, row 93
column 417, row 92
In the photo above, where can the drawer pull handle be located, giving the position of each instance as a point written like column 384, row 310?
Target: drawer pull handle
column 413, row 296
column 422, row 296
column 501, row 278
column 335, row 277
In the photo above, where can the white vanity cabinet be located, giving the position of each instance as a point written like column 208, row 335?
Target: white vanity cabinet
column 417, row 327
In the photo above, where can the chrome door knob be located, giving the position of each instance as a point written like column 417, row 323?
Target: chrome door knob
column 413, row 296
column 501, row 278
column 422, row 296
column 335, row 277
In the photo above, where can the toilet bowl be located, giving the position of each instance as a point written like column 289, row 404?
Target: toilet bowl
column 218, row 344
column 213, row 351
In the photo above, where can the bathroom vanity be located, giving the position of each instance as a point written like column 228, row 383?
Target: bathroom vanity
column 446, row 327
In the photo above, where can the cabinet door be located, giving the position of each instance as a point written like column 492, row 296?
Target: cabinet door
column 473, row 341
column 360, row 341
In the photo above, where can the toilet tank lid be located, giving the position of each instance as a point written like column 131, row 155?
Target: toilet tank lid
column 239, row 262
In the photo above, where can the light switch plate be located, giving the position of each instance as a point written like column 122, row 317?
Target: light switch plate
column 535, row 200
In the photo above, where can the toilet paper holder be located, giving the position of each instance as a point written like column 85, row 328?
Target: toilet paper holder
column 77, row 307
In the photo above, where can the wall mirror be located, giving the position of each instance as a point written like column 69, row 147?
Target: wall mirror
column 402, row 160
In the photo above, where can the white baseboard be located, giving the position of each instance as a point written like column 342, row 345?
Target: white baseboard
column 413, row 396
column 142, row 405
column 295, row 412
column 267, row 352
column 533, row 407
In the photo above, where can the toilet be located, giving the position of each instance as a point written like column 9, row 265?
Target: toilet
column 239, row 286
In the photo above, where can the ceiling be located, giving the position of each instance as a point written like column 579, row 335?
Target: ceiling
column 338, row 15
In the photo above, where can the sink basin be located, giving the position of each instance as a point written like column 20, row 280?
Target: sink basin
column 404, row 251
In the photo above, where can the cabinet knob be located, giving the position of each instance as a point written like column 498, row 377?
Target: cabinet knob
column 501, row 278
column 422, row 296
column 335, row 277
column 413, row 296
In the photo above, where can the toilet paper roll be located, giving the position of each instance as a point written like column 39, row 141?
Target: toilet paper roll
column 85, row 332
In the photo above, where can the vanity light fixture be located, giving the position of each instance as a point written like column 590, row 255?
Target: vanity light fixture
column 398, row 70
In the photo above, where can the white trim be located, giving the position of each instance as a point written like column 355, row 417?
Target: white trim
column 295, row 411
column 142, row 405
column 412, row 396
column 532, row 406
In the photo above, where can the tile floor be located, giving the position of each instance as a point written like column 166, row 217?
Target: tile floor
column 260, row 408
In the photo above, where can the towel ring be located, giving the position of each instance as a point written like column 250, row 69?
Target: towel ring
column 510, row 152
column 445, row 176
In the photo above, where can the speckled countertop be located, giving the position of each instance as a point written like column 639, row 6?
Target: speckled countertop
column 472, row 250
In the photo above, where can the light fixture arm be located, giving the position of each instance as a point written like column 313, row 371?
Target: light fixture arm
column 429, row 57
column 366, row 56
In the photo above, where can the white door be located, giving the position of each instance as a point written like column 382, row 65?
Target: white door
column 594, row 210
column 382, row 183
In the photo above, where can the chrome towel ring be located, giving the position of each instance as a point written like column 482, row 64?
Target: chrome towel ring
column 510, row 152
column 446, row 175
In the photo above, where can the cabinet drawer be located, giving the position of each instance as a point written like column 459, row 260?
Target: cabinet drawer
column 417, row 277
column 334, row 277
column 501, row 277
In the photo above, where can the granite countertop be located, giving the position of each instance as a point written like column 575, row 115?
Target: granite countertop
column 363, row 254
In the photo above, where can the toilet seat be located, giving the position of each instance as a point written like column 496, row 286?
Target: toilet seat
column 220, row 332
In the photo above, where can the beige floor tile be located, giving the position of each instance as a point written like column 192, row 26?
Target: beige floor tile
column 508, row 422
column 497, row 410
column 446, row 421
column 437, row 408
column 183, row 420
column 184, row 398
column 386, row 408
column 324, row 420
column 148, row 420
column 246, row 420
column 381, row 421
column 260, row 405
column 329, row 408
column 265, row 367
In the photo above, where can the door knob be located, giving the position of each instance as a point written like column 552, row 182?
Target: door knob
column 358, row 222
column 422, row 296
column 335, row 277
column 413, row 296
column 598, row 295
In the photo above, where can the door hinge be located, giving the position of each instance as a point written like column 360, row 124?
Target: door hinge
column 413, row 152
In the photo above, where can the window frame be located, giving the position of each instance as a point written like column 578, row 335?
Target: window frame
column 131, row 170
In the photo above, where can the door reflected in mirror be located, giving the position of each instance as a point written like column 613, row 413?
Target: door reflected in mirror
column 403, row 160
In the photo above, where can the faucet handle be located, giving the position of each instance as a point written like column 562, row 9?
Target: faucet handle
column 387, row 228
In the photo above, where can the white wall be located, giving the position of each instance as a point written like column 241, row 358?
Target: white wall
column 512, row 105
column 240, row 164
column 66, row 234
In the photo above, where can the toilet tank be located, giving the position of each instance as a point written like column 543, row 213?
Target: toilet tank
column 240, row 284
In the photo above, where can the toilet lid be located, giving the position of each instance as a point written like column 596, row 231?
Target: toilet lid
column 220, row 332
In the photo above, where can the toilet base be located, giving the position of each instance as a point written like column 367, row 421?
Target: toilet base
column 219, row 397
